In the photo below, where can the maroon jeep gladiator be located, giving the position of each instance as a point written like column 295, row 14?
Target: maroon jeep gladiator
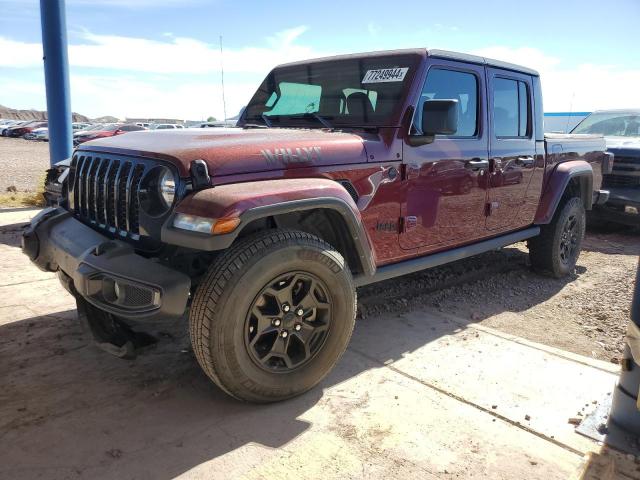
column 341, row 172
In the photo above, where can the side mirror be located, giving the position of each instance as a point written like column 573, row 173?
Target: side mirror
column 439, row 117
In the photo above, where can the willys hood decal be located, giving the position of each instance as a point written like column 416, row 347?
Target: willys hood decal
column 230, row 151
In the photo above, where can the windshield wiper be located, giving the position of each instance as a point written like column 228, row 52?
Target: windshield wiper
column 322, row 120
column 266, row 120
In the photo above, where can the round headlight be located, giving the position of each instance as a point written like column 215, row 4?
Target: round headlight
column 167, row 186
column 157, row 191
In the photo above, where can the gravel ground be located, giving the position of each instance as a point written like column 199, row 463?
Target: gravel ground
column 22, row 164
column 585, row 313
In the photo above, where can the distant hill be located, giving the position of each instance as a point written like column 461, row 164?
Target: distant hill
column 15, row 114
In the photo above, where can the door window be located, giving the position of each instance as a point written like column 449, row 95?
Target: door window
column 450, row 84
column 510, row 108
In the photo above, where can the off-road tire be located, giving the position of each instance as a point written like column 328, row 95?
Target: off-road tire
column 545, row 250
column 222, row 301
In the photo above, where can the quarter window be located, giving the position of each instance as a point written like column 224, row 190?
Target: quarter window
column 510, row 108
column 451, row 84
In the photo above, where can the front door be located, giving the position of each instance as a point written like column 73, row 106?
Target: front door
column 445, row 180
column 512, row 147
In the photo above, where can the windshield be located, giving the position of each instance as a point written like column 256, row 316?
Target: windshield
column 611, row 124
column 356, row 92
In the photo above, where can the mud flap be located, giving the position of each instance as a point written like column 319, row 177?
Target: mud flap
column 110, row 333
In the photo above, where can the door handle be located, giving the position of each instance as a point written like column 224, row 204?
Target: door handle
column 524, row 161
column 476, row 164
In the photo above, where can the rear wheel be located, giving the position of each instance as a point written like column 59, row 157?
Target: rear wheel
column 556, row 250
column 273, row 315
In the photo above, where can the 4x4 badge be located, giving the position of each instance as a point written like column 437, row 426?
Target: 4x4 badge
column 290, row 156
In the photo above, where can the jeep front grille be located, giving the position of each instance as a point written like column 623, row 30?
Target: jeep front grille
column 104, row 191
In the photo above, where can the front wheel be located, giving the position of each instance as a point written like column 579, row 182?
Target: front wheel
column 273, row 315
column 556, row 250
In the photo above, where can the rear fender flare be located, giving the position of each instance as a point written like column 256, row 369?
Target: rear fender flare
column 255, row 200
column 557, row 184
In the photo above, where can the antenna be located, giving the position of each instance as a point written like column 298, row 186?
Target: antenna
column 224, row 104
column 566, row 130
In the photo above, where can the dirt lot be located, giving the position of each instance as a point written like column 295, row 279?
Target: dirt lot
column 22, row 164
column 585, row 313
column 69, row 410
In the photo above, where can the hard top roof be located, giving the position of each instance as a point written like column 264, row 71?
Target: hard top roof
column 443, row 54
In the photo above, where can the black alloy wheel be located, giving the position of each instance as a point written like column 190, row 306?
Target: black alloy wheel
column 288, row 322
column 569, row 240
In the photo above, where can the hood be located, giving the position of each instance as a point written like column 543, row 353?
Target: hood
column 622, row 142
column 229, row 151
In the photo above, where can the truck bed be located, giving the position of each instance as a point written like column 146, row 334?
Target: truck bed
column 563, row 147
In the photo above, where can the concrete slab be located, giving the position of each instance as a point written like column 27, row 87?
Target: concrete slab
column 17, row 216
column 365, row 422
column 520, row 383
column 413, row 397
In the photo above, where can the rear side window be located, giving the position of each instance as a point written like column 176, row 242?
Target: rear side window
column 510, row 108
column 451, row 84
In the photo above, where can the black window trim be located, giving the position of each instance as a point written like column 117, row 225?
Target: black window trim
column 479, row 123
column 527, row 84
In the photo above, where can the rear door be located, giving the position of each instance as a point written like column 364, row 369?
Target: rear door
column 512, row 147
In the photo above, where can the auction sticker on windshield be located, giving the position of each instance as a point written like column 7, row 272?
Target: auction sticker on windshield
column 385, row 75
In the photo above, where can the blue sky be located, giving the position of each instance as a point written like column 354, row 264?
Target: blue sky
column 161, row 58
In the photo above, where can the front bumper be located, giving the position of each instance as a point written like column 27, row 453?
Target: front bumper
column 628, row 197
column 106, row 273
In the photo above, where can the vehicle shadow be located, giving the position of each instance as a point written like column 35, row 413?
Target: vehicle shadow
column 505, row 273
column 619, row 241
column 68, row 409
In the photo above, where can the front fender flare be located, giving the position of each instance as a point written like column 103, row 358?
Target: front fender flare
column 557, row 184
column 255, row 200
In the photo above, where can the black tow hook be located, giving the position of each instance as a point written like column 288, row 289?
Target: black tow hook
column 110, row 333
column 104, row 247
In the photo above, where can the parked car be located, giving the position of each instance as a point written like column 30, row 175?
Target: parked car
column 30, row 135
column 4, row 128
column 21, row 130
column 105, row 131
column 78, row 126
column 621, row 129
column 263, row 233
column 89, row 128
column 142, row 124
column 41, row 134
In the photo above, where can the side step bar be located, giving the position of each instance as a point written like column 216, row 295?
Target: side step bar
column 436, row 259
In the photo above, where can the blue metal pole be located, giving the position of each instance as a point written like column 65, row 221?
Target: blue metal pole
column 56, row 75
